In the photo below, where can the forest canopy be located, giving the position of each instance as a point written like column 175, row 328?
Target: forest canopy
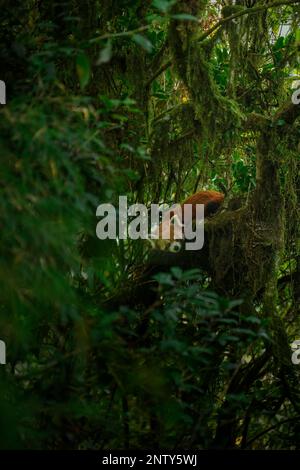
column 111, row 343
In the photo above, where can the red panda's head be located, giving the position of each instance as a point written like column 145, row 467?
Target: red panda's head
column 170, row 231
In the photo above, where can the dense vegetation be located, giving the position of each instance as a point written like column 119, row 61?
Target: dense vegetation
column 110, row 345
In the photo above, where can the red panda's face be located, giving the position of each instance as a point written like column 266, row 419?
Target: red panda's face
column 171, row 230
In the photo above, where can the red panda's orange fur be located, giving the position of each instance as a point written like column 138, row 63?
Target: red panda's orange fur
column 212, row 201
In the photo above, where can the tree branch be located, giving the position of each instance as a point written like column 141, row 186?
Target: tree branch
column 119, row 35
column 158, row 72
column 289, row 112
column 256, row 122
column 265, row 431
column 246, row 11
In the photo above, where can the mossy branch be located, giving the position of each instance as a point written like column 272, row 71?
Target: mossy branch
column 246, row 11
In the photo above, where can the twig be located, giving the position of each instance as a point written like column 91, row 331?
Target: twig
column 271, row 428
column 158, row 72
column 122, row 34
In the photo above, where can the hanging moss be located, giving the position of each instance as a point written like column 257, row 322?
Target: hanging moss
column 173, row 138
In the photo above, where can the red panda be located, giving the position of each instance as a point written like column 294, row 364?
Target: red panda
column 212, row 201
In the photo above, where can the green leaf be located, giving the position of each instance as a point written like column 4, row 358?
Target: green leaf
column 143, row 42
column 177, row 272
column 279, row 44
column 127, row 147
column 163, row 5
column 164, row 279
column 83, row 68
column 128, row 102
column 184, row 16
column 131, row 174
column 253, row 320
column 105, row 54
